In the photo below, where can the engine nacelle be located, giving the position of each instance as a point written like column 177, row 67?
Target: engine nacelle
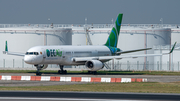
column 94, row 65
column 41, row 67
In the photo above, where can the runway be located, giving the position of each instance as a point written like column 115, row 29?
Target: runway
column 84, row 96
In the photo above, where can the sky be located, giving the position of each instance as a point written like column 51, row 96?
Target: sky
column 96, row 11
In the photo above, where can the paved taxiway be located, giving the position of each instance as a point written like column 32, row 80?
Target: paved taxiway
column 84, row 96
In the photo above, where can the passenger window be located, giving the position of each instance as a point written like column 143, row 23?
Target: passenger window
column 26, row 53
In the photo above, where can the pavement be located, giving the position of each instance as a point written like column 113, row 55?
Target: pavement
column 84, row 96
column 35, row 83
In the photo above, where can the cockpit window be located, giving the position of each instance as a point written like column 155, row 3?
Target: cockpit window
column 36, row 53
column 32, row 53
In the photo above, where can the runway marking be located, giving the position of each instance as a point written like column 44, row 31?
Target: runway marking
column 66, row 99
column 71, row 79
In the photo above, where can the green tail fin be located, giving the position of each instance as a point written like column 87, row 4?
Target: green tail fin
column 6, row 47
column 113, row 37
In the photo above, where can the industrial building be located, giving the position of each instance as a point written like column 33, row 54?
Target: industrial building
column 21, row 37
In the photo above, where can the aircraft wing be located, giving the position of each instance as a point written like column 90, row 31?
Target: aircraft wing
column 130, row 51
column 11, row 53
column 106, row 58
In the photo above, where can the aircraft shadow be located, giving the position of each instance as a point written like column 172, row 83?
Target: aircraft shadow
column 98, row 73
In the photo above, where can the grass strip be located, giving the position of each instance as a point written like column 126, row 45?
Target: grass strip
column 98, row 72
column 143, row 87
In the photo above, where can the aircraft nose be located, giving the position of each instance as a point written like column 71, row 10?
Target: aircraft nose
column 28, row 59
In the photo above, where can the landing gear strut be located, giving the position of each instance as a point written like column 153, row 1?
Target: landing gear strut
column 38, row 73
column 62, row 71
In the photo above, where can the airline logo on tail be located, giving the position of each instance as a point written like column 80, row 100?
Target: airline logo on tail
column 114, row 35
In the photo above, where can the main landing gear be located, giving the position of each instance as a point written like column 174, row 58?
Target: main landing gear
column 62, row 71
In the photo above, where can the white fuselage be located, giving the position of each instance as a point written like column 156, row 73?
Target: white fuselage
column 63, row 54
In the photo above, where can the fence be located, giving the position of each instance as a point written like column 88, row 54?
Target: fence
column 114, row 66
column 142, row 66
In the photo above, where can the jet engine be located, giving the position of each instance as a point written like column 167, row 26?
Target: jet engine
column 41, row 67
column 94, row 65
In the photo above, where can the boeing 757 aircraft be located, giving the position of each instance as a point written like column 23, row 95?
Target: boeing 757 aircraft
column 93, row 57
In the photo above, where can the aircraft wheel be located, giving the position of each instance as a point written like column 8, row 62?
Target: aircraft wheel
column 38, row 74
column 65, row 72
column 59, row 71
column 95, row 72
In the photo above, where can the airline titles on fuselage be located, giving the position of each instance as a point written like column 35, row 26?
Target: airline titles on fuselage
column 53, row 53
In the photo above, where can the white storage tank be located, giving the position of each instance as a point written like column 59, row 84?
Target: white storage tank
column 78, row 37
column 175, row 35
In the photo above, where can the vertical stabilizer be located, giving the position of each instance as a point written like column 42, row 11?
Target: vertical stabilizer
column 113, row 37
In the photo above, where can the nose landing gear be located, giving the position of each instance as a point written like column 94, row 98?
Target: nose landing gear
column 38, row 73
column 40, row 67
column 62, row 71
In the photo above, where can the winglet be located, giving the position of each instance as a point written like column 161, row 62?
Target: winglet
column 173, row 48
column 6, row 49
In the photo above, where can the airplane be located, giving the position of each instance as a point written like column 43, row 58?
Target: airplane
column 93, row 57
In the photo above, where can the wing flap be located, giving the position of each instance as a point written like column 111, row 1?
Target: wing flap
column 84, row 59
